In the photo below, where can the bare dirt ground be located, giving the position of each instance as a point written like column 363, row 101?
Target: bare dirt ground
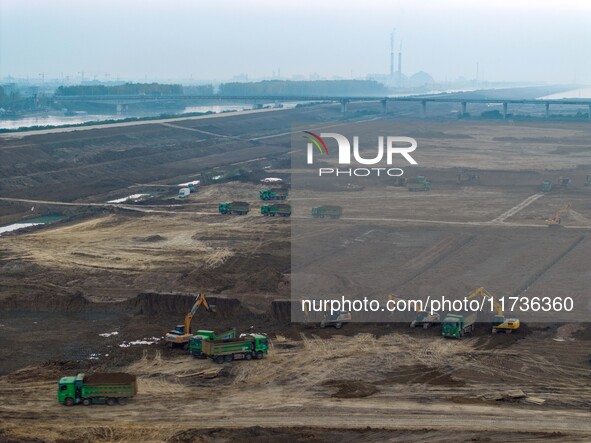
column 63, row 285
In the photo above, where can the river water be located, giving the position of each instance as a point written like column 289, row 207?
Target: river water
column 60, row 120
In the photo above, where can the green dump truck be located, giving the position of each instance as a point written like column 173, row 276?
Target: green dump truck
column 327, row 211
column 458, row 325
column 109, row 388
column 274, row 194
column 272, row 210
column 247, row 347
column 196, row 342
column 238, row 208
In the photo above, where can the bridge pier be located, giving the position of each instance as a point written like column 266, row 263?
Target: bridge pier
column 384, row 105
column 423, row 108
column 505, row 105
column 547, row 110
column 344, row 105
column 464, row 106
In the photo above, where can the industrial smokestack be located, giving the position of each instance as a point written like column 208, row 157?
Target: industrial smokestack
column 400, row 63
column 392, row 54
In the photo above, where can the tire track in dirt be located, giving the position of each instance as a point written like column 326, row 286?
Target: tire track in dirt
column 530, row 281
column 515, row 209
column 441, row 251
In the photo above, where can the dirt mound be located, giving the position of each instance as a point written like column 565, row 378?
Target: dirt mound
column 154, row 303
column 151, row 303
column 281, row 310
column 351, row 388
column 266, row 280
column 109, row 377
column 41, row 302
column 421, row 374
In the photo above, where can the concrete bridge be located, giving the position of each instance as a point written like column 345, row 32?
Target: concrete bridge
column 343, row 100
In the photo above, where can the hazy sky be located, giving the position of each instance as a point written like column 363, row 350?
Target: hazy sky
column 534, row 40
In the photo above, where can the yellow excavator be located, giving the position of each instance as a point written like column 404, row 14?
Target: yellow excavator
column 499, row 322
column 557, row 217
column 181, row 335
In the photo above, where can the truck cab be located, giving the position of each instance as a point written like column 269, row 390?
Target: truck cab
column 260, row 345
column 66, row 389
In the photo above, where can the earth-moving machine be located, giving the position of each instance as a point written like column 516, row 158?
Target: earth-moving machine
column 181, row 335
column 499, row 322
column 327, row 211
column 109, row 388
column 274, row 194
column 196, row 342
column 335, row 319
column 423, row 318
column 279, row 209
column 458, row 325
column 555, row 221
column 238, row 208
column 246, row 347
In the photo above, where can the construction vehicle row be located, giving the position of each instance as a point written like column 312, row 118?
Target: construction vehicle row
column 457, row 325
column 279, row 209
column 106, row 388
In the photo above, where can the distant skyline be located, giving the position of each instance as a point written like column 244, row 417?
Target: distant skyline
column 519, row 40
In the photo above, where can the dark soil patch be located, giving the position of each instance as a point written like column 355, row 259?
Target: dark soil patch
column 421, row 374
column 351, row 388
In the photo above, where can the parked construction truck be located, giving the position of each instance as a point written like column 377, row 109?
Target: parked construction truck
column 181, row 335
column 196, row 342
column 327, row 211
column 458, row 325
column 499, row 322
column 238, row 208
column 105, row 388
column 279, row 209
column 246, row 347
column 274, row 194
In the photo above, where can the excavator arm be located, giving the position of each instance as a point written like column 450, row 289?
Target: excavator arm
column 500, row 323
column 201, row 300
column 558, row 216
column 484, row 293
